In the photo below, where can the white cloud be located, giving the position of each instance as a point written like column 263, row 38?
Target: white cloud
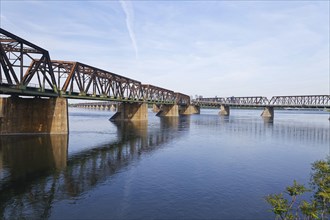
column 129, row 12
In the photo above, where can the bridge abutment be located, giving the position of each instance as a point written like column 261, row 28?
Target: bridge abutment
column 268, row 112
column 168, row 111
column 224, row 110
column 189, row 110
column 33, row 115
column 131, row 111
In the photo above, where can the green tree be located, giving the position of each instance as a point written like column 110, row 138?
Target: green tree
column 289, row 206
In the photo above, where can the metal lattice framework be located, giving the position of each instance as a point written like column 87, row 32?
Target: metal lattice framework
column 302, row 101
column 257, row 100
column 182, row 99
column 86, row 81
column 308, row 101
column 16, row 71
column 155, row 94
column 27, row 69
column 233, row 101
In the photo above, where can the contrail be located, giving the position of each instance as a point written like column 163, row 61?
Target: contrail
column 129, row 12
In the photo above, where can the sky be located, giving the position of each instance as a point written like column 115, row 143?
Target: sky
column 204, row 48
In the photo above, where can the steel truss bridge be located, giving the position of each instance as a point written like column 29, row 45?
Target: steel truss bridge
column 26, row 69
column 308, row 101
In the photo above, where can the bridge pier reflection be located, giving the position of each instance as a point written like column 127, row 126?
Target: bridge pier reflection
column 24, row 160
column 26, row 155
column 132, row 129
column 49, row 174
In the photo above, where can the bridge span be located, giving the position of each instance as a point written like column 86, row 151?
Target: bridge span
column 27, row 70
column 299, row 102
column 224, row 103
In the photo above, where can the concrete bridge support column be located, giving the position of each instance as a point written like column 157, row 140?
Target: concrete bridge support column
column 168, row 111
column 189, row 110
column 268, row 112
column 33, row 115
column 224, row 110
column 131, row 111
column 155, row 108
column 113, row 108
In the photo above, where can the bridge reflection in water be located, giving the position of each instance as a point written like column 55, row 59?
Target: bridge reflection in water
column 23, row 159
column 262, row 129
column 21, row 156
column 35, row 171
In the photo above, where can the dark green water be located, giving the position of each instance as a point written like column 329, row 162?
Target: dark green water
column 194, row 167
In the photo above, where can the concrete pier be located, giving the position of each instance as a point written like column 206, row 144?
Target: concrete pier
column 268, row 112
column 33, row 115
column 131, row 111
column 113, row 108
column 224, row 110
column 168, row 111
column 155, row 108
column 189, row 110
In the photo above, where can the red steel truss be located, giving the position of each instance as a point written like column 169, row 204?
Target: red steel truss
column 27, row 69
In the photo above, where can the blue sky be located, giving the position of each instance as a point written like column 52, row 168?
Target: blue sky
column 209, row 48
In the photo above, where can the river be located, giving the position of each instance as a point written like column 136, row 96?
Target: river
column 189, row 167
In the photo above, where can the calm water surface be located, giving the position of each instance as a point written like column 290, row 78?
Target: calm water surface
column 194, row 167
